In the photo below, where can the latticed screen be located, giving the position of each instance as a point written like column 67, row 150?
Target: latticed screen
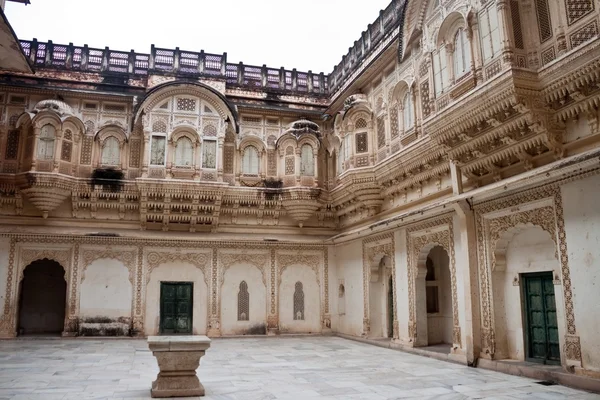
column 361, row 142
column 299, row 302
column 516, row 23
column 544, row 23
column 380, row 132
column 12, row 145
column 243, row 302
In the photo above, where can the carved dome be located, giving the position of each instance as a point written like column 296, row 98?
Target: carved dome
column 58, row 106
column 303, row 126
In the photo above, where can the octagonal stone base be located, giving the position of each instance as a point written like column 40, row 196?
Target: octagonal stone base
column 178, row 358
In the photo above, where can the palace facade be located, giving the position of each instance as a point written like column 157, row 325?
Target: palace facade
column 439, row 187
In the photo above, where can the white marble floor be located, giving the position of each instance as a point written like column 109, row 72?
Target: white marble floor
column 295, row 368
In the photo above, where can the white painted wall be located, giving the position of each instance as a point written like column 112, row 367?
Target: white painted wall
column 582, row 226
column 530, row 250
column 312, row 300
column 4, row 249
column 229, row 299
column 105, row 290
column 402, row 285
column 176, row 271
column 350, row 270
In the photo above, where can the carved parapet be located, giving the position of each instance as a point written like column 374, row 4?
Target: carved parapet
column 301, row 203
column 46, row 191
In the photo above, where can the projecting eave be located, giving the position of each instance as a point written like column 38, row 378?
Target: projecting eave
column 11, row 56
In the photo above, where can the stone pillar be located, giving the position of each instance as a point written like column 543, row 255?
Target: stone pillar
column 476, row 59
column 146, row 154
column 456, row 175
column 465, row 230
column 297, row 164
column 220, row 161
column 214, row 319
column 57, row 150
column 273, row 317
column 504, row 24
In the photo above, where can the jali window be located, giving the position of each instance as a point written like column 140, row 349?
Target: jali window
column 45, row 150
column 157, row 150
column 209, row 154
column 243, row 302
column 111, row 151
column 299, row 302
column 307, row 162
column 250, row 161
column 184, row 152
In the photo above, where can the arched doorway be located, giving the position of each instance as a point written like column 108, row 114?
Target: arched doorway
column 42, row 299
column 434, row 301
column 380, row 291
column 526, row 305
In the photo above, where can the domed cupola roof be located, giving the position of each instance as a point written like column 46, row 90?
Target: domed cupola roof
column 303, row 126
column 58, row 106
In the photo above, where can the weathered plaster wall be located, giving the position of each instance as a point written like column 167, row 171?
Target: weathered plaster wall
column 105, row 290
column 582, row 226
column 401, row 288
column 312, row 300
column 529, row 250
column 350, row 271
column 176, row 271
column 229, row 300
column 4, row 250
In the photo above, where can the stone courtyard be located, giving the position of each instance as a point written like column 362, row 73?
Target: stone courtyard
column 255, row 369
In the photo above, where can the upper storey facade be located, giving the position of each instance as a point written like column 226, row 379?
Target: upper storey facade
column 436, row 98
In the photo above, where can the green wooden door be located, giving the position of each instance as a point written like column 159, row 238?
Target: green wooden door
column 176, row 307
column 542, row 325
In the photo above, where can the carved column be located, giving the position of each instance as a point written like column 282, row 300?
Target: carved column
column 219, row 155
column 297, row 164
column 214, row 320
column 473, row 37
column 273, row 317
column 316, row 167
column 465, row 229
column 456, row 175
column 57, row 150
column 71, row 317
column 146, row 154
column 505, row 25
column 36, row 139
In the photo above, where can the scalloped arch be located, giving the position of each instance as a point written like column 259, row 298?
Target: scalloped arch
column 162, row 92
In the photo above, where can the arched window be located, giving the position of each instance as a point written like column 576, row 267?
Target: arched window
column 111, row 152
column 184, row 152
column 307, row 162
column 408, row 111
column 462, row 53
column 299, row 302
column 243, row 302
column 440, row 71
column 45, row 150
column 250, row 161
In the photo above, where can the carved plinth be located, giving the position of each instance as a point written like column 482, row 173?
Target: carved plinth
column 178, row 358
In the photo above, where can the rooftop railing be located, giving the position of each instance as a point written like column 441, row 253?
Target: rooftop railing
column 387, row 21
column 172, row 61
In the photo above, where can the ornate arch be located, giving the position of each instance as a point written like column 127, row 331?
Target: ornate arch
column 447, row 30
column 258, row 260
column 251, row 140
column 420, row 240
column 128, row 258
column 111, row 130
column 201, row 261
column 184, row 131
column 217, row 100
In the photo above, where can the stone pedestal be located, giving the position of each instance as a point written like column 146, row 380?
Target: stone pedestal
column 178, row 358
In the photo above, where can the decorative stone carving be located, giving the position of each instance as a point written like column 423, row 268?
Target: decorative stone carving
column 178, row 358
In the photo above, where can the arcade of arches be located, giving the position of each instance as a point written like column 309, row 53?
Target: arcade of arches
column 437, row 190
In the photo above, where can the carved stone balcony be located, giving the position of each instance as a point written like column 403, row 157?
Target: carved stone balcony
column 301, row 203
column 46, row 191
